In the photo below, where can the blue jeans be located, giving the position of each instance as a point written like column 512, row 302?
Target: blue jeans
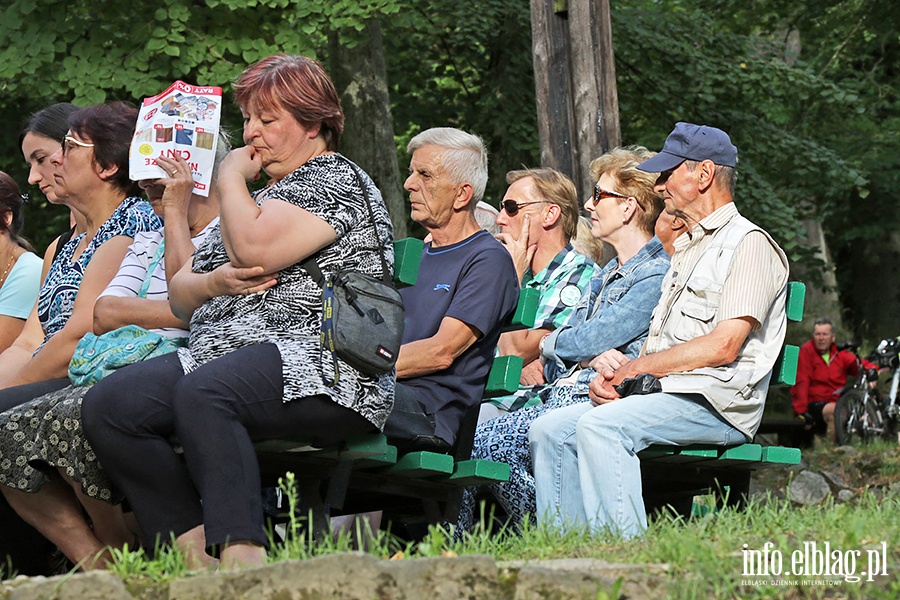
column 586, row 469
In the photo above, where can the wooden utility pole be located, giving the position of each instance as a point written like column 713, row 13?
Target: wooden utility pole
column 575, row 80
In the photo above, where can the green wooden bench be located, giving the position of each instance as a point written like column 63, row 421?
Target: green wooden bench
column 672, row 475
column 368, row 473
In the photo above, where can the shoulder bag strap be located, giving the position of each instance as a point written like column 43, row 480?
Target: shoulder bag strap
column 312, row 266
column 154, row 262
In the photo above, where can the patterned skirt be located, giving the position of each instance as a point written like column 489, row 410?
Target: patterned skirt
column 44, row 435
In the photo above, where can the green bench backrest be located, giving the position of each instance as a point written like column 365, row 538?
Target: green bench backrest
column 786, row 365
column 407, row 256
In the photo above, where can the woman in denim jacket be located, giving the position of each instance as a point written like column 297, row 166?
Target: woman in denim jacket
column 613, row 313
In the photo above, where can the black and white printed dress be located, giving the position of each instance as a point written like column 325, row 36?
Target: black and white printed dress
column 45, row 434
column 289, row 314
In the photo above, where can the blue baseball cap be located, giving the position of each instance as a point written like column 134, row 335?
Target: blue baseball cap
column 692, row 142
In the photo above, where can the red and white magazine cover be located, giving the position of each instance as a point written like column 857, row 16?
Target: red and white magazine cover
column 181, row 121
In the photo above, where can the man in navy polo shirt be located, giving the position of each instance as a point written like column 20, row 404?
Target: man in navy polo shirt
column 466, row 289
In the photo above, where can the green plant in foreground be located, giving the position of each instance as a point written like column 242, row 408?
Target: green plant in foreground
column 704, row 555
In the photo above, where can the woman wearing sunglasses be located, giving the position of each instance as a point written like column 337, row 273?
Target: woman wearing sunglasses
column 613, row 313
column 90, row 174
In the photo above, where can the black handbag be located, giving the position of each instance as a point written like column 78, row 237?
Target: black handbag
column 362, row 316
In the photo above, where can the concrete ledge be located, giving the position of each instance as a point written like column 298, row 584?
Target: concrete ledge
column 359, row 576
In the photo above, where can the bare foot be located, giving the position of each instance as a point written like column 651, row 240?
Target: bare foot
column 242, row 555
column 192, row 544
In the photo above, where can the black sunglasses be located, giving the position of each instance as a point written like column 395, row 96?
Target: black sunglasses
column 601, row 194
column 512, row 207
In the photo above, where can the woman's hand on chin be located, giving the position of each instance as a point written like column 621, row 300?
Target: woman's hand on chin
column 244, row 161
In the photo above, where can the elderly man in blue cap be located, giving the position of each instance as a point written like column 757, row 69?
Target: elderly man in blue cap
column 703, row 373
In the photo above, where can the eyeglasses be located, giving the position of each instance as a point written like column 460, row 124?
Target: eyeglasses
column 69, row 143
column 512, row 207
column 601, row 194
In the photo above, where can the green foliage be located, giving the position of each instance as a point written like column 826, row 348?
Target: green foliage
column 808, row 91
column 466, row 64
column 93, row 51
column 704, row 70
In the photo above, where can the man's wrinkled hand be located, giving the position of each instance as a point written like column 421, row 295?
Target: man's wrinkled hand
column 519, row 248
column 601, row 389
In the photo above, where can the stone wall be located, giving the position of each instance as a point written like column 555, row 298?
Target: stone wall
column 358, row 576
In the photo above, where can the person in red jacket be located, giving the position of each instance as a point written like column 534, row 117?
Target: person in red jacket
column 822, row 370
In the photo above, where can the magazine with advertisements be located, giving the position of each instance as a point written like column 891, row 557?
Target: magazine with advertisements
column 181, row 121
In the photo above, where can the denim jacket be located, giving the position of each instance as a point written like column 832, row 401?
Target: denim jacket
column 613, row 313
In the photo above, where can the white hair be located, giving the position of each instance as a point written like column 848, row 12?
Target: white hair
column 465, row 159
column 486, row 217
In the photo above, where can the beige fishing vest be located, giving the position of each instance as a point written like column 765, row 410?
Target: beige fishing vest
column 737, row 391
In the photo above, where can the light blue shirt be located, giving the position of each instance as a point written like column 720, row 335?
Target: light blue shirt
column 20, row 290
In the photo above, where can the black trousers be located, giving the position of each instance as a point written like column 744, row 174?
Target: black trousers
column 408, row 427
column 215, row 412
column 20, row 394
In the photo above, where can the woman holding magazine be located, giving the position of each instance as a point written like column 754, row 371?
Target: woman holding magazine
column 254, row 367
column 43, row 440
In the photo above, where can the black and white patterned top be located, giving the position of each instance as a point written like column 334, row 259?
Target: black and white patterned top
column 290, row 313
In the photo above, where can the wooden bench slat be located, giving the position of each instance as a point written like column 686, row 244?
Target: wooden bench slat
column 479, row 472
column 365, row 446
column 796, row 298
column 526, row 310
column 422, row 464
column 785, row 369
column 293, row 444
column 407, row 257
column 781, row 455
column 718, row 456
column 504, row 376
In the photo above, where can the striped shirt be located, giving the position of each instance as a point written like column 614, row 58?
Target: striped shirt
column 755, row 278
column 133, row 272
column 561, row 284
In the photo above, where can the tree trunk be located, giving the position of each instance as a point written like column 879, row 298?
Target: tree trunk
column 821, row 288
column 575, row 84
column 361, row 79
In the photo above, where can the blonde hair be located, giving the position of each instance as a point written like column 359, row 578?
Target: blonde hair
column 620, row 164
column 556, row 188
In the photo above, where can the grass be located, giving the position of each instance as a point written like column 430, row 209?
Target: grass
column 705, row 555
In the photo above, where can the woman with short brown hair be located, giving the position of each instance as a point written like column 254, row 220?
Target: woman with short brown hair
column 254, row 367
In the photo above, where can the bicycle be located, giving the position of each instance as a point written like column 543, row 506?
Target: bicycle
column 861, row 413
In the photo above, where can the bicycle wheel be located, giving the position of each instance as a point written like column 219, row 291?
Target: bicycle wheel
column 857, row 418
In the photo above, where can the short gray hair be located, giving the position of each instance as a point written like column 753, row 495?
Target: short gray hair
column 465, row 159
column 726, row 177
column 824, row 321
